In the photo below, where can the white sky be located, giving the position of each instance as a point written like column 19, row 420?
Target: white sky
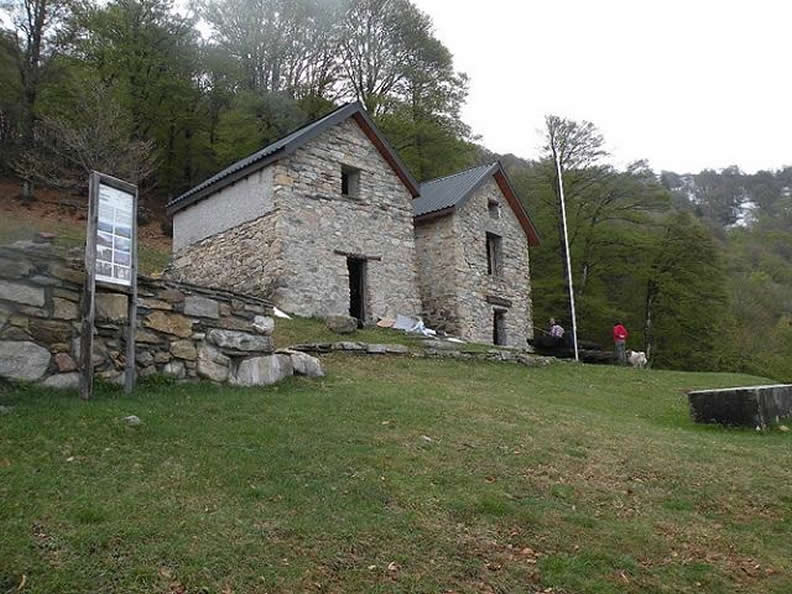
column 687, row 84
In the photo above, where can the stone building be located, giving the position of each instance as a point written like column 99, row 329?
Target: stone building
column 472, row 235
column 328, row 220
column 320, row 222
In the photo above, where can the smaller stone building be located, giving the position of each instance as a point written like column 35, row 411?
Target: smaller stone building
column 472, row 235
column 320, row 222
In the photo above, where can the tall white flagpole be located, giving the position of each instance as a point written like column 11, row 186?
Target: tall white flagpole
column 568, row 257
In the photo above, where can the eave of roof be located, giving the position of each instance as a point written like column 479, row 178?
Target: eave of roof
column 290, row 143
column 437, row 203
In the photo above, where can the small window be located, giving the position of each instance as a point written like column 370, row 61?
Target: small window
column 494, row 254
column 494, row 209
column 350, row 181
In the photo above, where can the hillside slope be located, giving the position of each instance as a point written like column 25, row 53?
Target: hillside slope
column 394, row 475
column 64, row 215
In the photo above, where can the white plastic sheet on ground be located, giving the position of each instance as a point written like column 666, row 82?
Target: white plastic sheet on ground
column 414, row 325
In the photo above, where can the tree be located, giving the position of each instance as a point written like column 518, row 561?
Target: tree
column 424, row 121
column 284, row 46
column 149, row 56
column 89, row 132
column 574, row 148
column 686, row 299
column 32, row 41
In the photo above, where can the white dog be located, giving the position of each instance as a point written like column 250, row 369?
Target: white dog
column 637, row 359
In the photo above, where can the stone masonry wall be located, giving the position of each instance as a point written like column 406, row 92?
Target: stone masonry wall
column 436, row 249
column 290, row 254
column 474, row 284
column 317, row 221
column 247, row 258
column 183, row 330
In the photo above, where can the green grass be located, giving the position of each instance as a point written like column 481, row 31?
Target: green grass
column 313, row 330
column 304, row 330
column 569, row 477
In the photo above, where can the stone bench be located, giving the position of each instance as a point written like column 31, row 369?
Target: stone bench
column 748, row 406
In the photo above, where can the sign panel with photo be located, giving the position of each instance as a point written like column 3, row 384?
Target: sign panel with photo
column 114, row 236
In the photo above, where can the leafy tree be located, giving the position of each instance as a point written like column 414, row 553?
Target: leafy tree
column 32, row 42
column 149, row 55
column 686, row 300
column 284, row 46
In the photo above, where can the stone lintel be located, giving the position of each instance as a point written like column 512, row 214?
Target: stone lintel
column 495, row 300
column 357, row 256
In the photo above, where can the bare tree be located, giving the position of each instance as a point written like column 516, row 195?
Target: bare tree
column 93, row 135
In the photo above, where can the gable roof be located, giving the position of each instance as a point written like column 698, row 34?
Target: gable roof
column 290, row 143
column 443, row 195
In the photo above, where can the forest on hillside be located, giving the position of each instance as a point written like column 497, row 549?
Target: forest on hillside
column 697, row 265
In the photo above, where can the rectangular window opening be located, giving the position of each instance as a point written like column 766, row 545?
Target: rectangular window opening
column 494, row 209
column 350, row 181
column 494, row 254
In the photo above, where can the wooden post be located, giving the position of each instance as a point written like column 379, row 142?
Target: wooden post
column 87, row 308
column 112, row 269
column 129, row 374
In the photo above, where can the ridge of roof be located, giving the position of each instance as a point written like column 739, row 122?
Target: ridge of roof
column 443, row 195
column 464, row 171
column 452, row 190
column 288, row 144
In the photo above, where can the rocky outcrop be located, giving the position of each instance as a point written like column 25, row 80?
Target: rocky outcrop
column 304, row 364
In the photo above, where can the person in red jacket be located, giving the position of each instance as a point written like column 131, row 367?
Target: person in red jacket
column 620, row 335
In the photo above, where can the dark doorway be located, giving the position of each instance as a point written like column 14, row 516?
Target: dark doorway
column 357, row 288
column 498, row 326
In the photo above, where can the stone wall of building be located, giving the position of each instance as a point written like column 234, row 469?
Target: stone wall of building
column 234, row 205
column 319, row 226
column 472, row 221
column 436, row 251
column 247, row 259
column 183, row 330
column 296, row 255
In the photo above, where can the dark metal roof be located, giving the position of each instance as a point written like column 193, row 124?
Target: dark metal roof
column 445, row 194
column 287, row 145
column 450, row 191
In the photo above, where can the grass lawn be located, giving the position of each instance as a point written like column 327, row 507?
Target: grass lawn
column 394, row 475
column 313, row 330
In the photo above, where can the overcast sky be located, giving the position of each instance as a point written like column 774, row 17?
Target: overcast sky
column 687, row 84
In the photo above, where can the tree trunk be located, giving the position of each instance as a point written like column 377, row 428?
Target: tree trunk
column 651, row 296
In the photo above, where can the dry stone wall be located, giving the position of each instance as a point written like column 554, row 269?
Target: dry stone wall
column 296, row 254
column 182, row 330
column 458, row 292
column 476, row 285
column 247, row 258
column 436, row 247
column 320, row 226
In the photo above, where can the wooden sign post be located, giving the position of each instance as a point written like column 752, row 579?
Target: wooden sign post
column 110, row 259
